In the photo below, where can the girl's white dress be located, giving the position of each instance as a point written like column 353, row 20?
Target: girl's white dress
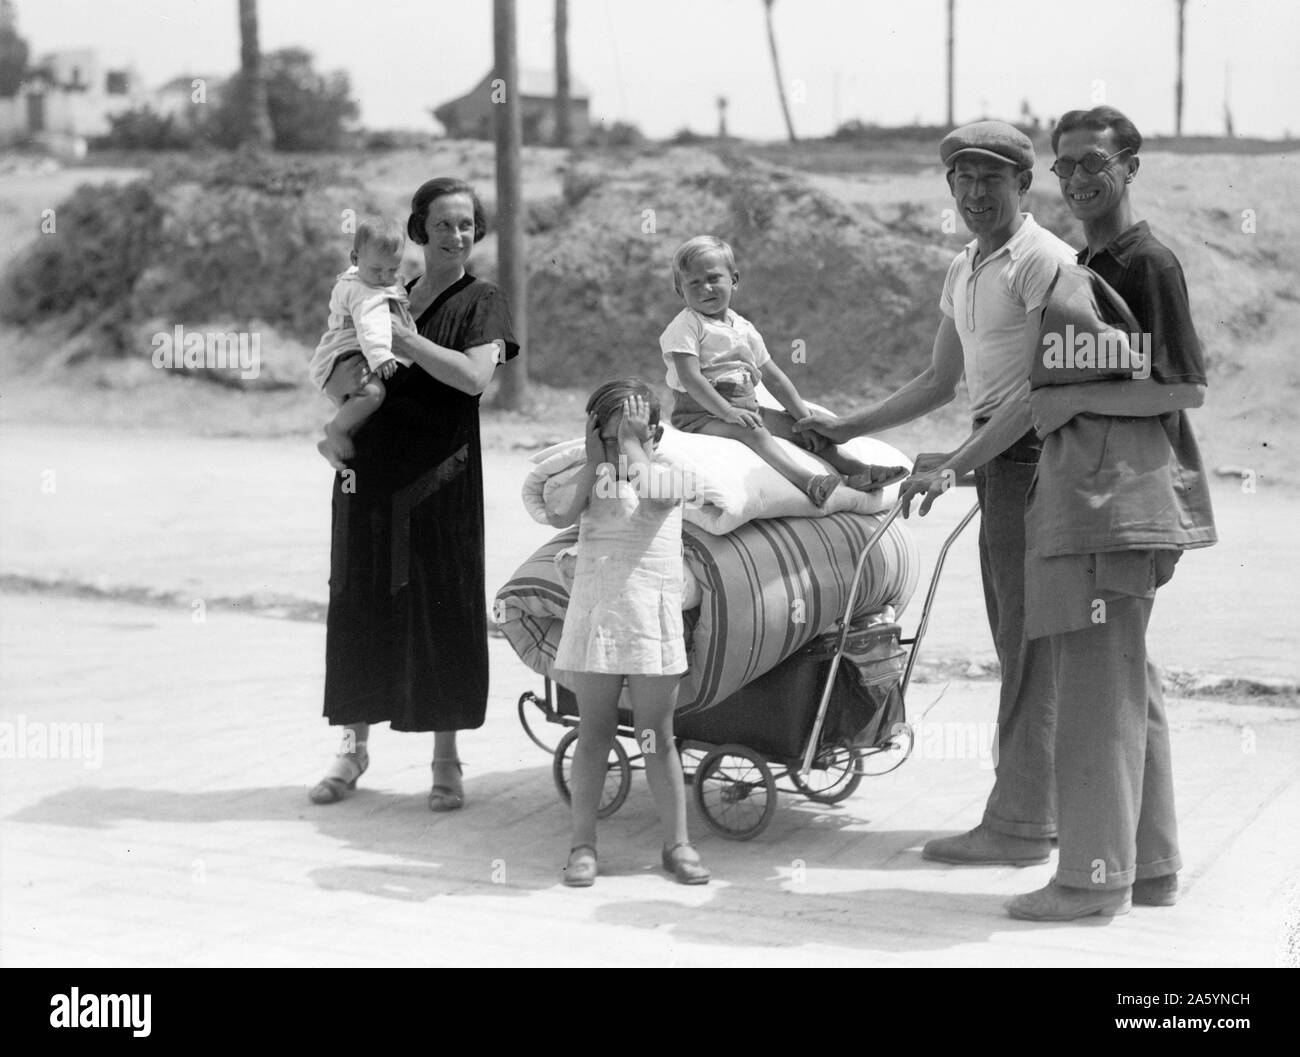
column 625, row 609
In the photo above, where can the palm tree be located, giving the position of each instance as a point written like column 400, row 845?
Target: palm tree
column 776, row 68
column 257, row 130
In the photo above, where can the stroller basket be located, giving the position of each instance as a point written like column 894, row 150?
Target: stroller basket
column 867, row 700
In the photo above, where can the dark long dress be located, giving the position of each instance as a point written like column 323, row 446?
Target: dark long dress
column 406, row 635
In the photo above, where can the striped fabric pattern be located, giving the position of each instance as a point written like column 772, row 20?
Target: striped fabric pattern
column 768, row 588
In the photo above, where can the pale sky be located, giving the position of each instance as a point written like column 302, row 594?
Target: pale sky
column 661, row 64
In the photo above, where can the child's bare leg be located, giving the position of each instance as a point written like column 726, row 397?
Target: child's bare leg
column 597, row 725
column 356, row 408
column 858, row 474
column 781, row 424
column 761, row 442
column 653, row 699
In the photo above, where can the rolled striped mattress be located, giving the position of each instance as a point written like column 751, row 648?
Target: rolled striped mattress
column 766, row 589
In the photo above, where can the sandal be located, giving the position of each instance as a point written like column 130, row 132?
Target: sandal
column 876, row 477
column 819, row 489
column 341, row 777
column 447, row 797
column 581, row 871
column 688, row 871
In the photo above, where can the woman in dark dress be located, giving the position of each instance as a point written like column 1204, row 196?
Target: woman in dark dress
column 406, row 639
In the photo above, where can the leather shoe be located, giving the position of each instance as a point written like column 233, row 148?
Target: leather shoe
column 447, row 797
column 1054, row 902
column 581, row 870
column 683, row 862
column 985, row 847
column 341, row 778
column 1159, row 891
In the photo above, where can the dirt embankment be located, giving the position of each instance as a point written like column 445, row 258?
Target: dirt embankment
column 843, row 301
column 841, row 266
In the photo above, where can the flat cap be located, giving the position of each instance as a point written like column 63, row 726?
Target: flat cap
column 996, row 139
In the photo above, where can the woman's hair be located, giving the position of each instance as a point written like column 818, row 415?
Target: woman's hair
column 609, row 398
column 434, row 189
column 1099, row 119
column 383, row 233
column 692, row 250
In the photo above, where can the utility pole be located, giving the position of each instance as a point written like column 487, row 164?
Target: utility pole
column 951, row 15
column 508, row 129
column 563, row 133
column 1178, row 86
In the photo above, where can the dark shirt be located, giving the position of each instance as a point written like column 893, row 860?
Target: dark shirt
column 1146, row 274
column 1112, row 482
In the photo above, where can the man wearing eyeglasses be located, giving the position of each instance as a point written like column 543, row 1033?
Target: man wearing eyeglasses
column 992, row 287
column 1120, row 493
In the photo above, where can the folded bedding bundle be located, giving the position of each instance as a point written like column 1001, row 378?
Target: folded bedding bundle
column 727, row 484
column 765, row 590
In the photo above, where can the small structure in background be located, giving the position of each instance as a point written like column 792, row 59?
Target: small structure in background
column 722, row 117
column 68, row 97
column 470, row 116
column 187, row 99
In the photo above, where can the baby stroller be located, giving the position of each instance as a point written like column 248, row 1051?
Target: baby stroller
column 815, row 725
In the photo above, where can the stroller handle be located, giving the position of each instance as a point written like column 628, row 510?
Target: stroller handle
column 845, row 621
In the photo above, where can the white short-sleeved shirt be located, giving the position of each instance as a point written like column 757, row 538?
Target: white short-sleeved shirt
column 724, row 347
column 989, row 302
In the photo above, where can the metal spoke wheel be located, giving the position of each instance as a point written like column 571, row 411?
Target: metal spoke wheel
column 834, row 776
column 890, row 754
column 530, row 706
column 735, row 792
column 618, row 779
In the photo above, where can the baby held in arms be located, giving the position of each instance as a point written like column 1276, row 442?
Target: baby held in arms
column 362, row 305
column 716, row 358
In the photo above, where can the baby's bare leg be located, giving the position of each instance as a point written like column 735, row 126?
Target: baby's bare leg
column 337, row 446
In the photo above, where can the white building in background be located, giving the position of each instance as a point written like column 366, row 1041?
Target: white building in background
column 69, row 95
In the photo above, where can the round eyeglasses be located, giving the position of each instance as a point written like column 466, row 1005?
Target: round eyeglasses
column 1093, row 162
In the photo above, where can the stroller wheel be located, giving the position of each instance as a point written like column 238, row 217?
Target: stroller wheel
column 735, row 792
column 618, row 779
column 890, row 754
column 835, row 774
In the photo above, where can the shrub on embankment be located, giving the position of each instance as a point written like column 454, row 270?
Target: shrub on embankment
column 254, row 243
column 845, row 304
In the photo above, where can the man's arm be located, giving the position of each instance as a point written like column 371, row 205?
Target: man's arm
column 1008, row 424
column 1053, row 406
column 932, row 388
column 1011, row 421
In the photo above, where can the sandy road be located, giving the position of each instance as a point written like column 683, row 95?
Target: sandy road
column 210, row 518
column 177, row 831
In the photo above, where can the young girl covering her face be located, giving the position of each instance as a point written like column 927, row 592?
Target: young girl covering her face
column 624, row 621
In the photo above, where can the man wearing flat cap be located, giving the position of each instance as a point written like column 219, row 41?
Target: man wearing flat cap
column 987, row 332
